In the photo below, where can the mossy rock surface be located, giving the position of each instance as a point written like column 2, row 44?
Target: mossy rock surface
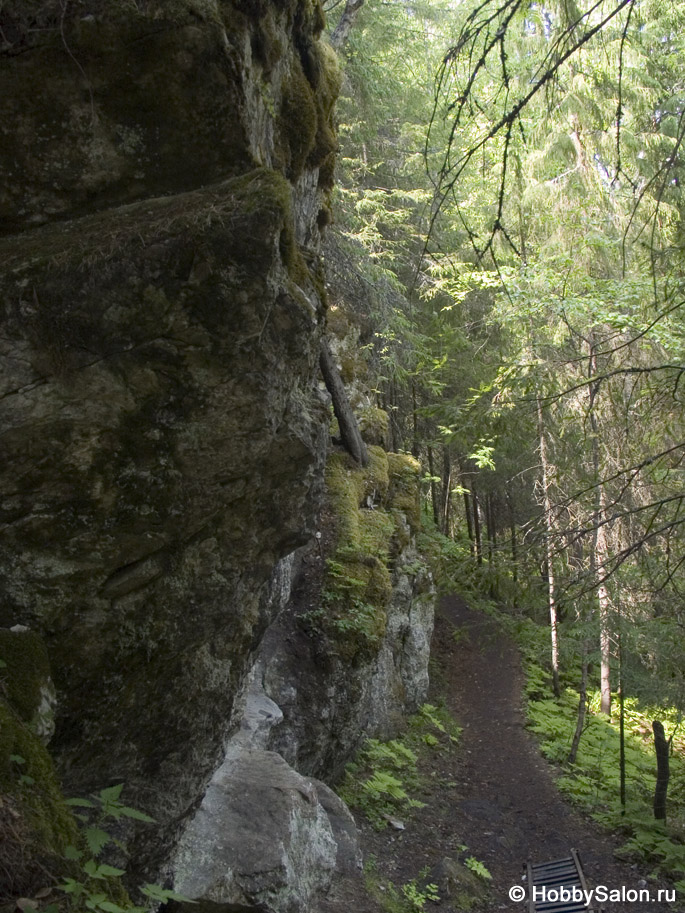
column 25, row 672
column 374, row 424
column 163, row 411
column 35, row 823
column 109, row 101
column 404, row 490
column 372, row 506
column 159, row 381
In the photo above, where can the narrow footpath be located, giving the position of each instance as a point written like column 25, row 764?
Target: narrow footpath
column 495, row 794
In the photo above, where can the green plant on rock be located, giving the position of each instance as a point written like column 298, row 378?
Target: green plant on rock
column 92, row 883
column 477, row 867
column 410, row 898
column 417, row 896
column 381, row 779
column 357, row 585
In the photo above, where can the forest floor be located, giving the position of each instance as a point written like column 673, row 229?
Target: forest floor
column 493, row 793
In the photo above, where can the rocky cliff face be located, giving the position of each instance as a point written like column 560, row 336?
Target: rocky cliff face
column 163, row 435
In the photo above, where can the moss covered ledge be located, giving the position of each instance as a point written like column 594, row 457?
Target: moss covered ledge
column 372, row 508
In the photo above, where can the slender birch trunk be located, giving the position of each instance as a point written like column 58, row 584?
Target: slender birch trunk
column 549, row 550
column 599, row 548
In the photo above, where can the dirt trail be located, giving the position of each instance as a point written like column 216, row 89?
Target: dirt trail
column 495, row 794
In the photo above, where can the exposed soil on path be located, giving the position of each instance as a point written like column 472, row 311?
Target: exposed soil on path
column 494, row 793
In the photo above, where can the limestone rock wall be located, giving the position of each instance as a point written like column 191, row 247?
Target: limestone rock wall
column 331, row 705
column 355, row 669
column 162, row 435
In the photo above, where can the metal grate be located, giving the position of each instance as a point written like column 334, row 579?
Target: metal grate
column 553, row 876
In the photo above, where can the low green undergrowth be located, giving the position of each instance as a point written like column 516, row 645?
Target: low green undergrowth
column 88, row 882
column 383, row 782
column 410, row 897
column 384, row 778
column 594, row 780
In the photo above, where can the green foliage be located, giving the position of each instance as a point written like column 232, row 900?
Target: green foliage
column 417, row 896
column 582, row 252
column 95, row 885
column 384, row 775
column 385, row 792
column 410, row 898
column 477, row 868
column 593, row 781
column 449, row 559
column 371, row 506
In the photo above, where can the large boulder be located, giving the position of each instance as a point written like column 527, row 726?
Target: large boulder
column 264, row 838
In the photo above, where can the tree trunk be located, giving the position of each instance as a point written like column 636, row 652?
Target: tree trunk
column 549, row 551
column 342, row 30
column 468, row 510
column 415, row 448
column 662, row 747
column 582, row 704
column 433, row 489
column 446, row 488
column 512, row 539
column 604, row 626
column 621, row 725
column 349, row 429
column 392, row 412
column 600, row 551
column 476, row 526
column 490, row 523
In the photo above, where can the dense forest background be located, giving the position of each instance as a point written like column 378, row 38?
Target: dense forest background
column 510, row 193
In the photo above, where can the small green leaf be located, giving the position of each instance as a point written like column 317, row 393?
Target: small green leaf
column 108, row 871
column 134, row 813
column 96, row 839
column 81, row 803
column 111, row 793
column 17, row 759
column 91, row 868
column 71, row 886
column 71, row 852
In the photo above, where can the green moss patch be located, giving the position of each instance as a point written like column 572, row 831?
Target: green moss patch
column 357, row 586
column 305, row 121
column 403, row 492
column 374, row 424
column 36, row 826
column 35, row 823
column 26, row 668
column 327, row 78
column 298, row 120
